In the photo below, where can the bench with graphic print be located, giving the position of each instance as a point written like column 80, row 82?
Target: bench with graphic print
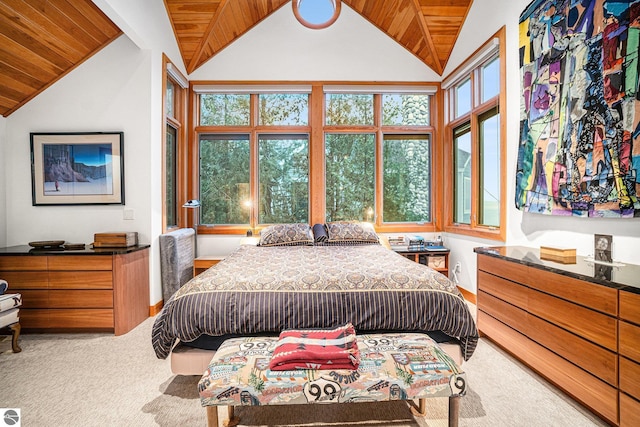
column 393, row 366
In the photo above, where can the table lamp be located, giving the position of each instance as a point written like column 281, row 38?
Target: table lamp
column 194, row 204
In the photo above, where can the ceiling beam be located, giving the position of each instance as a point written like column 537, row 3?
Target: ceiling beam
column 197, row 55
column 427, row 36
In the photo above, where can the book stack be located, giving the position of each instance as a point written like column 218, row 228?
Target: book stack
column 416, row 243
column 397, row 242
column 115, row 240
column 561, row 255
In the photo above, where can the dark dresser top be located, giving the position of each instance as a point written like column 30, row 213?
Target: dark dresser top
column 625, row 277
column 88, row 250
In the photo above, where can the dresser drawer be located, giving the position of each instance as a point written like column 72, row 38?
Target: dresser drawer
column 630, row 377
column 80, row 280
column 594, row 296
column 629, row 411
column 589, row 324
column 34, row 298
column 36, row 318
column 592, row 358
column 81, row 318
column 630, row 307
column 25, row 279
column 80, row 299
column 21, row 263
column 498, row 267
column 504, row 289
column 79, row 262
column 630, row 341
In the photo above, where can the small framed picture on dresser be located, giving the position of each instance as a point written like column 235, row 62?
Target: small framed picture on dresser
column 77, row 168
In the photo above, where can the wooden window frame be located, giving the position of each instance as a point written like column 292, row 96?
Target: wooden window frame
column 179, row 122
column 316, row 131
column 478, row 108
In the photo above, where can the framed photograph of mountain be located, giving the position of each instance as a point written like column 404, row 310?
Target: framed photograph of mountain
column 77, row 168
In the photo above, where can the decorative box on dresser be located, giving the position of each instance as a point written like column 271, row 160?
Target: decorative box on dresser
column 575, row 328
column 102, row 289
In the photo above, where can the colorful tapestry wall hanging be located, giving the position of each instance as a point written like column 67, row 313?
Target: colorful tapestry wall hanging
column 579, row 151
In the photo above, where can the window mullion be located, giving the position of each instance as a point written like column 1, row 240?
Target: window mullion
column 475, row 169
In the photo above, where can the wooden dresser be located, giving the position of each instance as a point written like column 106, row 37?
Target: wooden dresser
column 580, row 332
column 83, row 290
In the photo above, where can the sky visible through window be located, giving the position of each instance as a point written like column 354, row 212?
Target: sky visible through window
column 316, row 11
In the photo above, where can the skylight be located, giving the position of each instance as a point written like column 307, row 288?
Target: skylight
column 316, row 14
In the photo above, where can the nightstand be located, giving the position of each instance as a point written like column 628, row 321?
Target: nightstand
column 436, row 259
column 202, row 263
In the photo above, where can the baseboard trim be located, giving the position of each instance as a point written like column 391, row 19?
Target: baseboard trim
column 155, row 309
column 469, row 296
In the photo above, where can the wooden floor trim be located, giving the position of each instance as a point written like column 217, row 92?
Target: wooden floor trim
column 155, row 309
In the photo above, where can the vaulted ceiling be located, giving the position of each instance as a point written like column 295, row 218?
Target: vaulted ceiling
column 426, row 28
column 42, row 40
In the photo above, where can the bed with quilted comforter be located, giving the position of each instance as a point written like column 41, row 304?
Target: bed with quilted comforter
column 261, row 290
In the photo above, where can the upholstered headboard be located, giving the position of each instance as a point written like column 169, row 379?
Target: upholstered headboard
column 176, row 259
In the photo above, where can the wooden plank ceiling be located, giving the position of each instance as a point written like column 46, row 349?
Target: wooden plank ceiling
column 426, row 28
column 42, row 40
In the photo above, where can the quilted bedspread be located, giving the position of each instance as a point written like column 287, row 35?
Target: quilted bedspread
column 258, row 290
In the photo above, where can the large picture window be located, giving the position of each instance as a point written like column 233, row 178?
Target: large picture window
column 350, row 176
column 225, row 196
column 474, row 144
column 406, row 178
column 283, row 164
column 316, row 153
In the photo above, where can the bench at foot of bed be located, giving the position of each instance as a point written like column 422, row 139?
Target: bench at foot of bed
column 408, row 367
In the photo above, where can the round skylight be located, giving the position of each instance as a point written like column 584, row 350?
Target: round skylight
column 316, row 14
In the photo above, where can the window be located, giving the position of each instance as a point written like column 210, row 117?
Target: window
column 344, row 109
column 316, row 14
column 174, row 145
column 253, row 156
column 350, row 176
column 225, row 196
column 224, row 110
column 171, row 156
column 462, row 174
column 475, row 145
column 266, row 156
column 406, row 178
column 378, row 156
column 284, row 178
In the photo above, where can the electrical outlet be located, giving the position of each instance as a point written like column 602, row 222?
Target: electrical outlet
column 128, row 214
column 458, row 267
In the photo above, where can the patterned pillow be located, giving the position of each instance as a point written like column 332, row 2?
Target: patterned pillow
column 286, row 235
column 351, row 233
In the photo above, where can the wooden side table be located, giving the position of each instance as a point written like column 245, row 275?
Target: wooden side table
column 436, row 259
column 202, row 263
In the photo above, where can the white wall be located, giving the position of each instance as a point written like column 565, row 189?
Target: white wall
column 145, row 22
column 526, row 229
column 109, row 92
column 280, row 48
column 3, row 183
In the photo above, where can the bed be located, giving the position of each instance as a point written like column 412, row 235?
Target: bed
column 313, row 283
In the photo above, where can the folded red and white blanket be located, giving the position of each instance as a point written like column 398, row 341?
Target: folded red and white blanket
column 316, row 349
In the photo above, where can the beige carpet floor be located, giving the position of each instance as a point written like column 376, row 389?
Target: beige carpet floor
column 103, row 380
